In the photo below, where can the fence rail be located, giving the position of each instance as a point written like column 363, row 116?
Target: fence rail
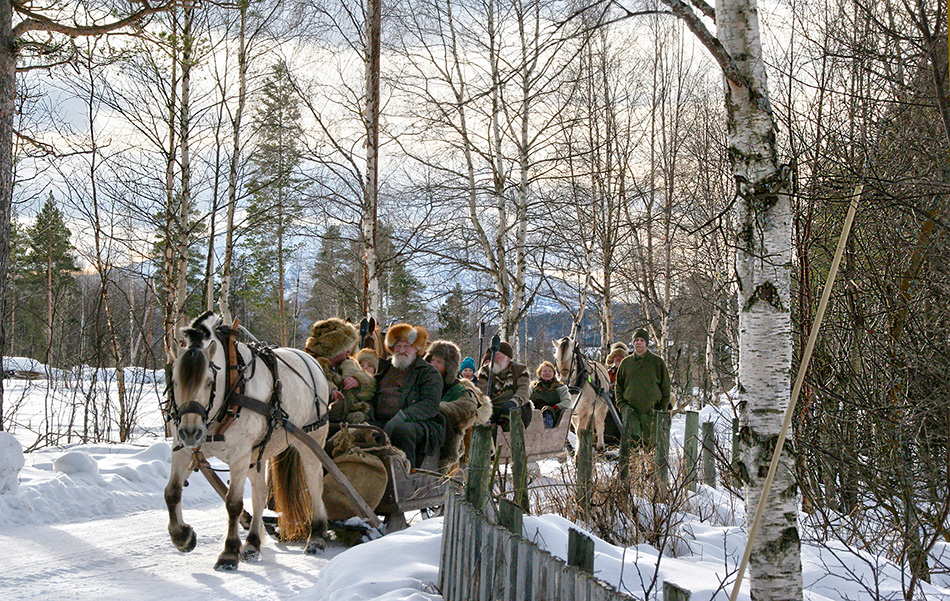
column 483, row 561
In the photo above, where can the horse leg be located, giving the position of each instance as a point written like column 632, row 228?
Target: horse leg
column 583, row 414
column 252, row 545
column 228, row 559
column 600, row 422
column 313, row 472
column 182, row 535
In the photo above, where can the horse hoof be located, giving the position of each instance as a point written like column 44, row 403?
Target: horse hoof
column 314, row 547
column 226, row 565
column 251, row 554
column 187, row 541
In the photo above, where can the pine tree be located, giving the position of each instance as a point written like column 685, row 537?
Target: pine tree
column 276, row 203
column 50, row 268
column 454, row 316
column 405, row 298
column 337, row 278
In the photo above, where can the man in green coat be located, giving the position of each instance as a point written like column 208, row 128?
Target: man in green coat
column 643, row 385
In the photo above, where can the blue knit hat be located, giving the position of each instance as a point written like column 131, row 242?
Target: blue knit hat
column 467, row 362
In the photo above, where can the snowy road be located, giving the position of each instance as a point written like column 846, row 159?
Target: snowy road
column 131, row 558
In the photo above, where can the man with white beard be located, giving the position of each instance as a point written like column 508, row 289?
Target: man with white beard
column 408, row 391
column 509, row 385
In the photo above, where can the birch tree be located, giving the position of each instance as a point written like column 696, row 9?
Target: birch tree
column 763, row 267
column 24, row 29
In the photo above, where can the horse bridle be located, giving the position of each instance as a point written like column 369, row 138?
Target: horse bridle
column 176, row 413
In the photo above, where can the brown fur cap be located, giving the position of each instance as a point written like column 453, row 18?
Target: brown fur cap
column 449, row 353
column 417, row 336
column 330, row 337
column 617, row 349
column 368, row 354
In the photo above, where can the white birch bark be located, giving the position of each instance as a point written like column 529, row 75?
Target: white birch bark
column 765, row 335
column 224, row 292
column 763, row 265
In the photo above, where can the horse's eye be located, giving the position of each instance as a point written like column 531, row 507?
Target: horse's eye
column 209, row 384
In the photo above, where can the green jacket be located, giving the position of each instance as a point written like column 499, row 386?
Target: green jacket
column 643, row 383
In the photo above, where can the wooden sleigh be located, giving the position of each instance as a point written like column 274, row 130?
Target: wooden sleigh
column 424, row 489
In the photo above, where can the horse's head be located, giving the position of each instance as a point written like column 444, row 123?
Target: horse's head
column 194, row 374
column 564, row 356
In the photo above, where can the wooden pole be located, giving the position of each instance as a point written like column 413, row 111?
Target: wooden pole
column 519, row 461
column 478, row 478
column 580, row 549
column 709, row 456
column 691, row 449
column 585, row 468
column 510, row 516
column 661, row 442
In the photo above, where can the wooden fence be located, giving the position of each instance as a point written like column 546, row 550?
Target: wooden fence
column 484, row 561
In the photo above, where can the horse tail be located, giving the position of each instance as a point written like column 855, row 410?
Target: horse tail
column 291, row 496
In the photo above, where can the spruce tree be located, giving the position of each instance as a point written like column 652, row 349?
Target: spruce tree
column 454, row 316
column 275, row 206
column 50, row 268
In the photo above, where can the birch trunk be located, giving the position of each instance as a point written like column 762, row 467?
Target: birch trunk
column 371, row 295
column 224, row 293
column 171, row 280
column 7, row 95
column 765, row 335
column 184, row 215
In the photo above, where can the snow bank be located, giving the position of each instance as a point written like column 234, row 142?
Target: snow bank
column 401, row 565
column 11, row 462
column 75, row 462
column 94, row 481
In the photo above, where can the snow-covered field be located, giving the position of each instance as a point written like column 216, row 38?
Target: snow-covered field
column 87, row 522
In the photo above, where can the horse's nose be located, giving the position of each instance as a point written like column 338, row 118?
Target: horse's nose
column 190, row 436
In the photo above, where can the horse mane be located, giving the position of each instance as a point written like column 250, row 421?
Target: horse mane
column 192, row 367
column 563, row 344
column 193, row 362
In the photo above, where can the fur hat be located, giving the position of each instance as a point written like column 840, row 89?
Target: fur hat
column 449, row 353
column 617, row 349
column 368, row 354
column 642, row 333
column 542, row 366
column 417, row 336
column 330, row 337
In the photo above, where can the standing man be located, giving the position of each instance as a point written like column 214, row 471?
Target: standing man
column 643, row 385
column 509, row 385
column 408, row 392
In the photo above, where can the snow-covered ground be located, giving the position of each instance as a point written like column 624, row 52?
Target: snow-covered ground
column 87, row 522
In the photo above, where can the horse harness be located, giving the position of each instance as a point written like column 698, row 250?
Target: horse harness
column 235, row 399
column 584, row 374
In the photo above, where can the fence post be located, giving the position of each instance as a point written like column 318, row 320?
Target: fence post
column 580, row 550
column 478, row 478
column 671, row 592
column 691, row 449
column 510, row 516
column 585, row 468
column 519, row 467
column 709, row 457
column 661, row 440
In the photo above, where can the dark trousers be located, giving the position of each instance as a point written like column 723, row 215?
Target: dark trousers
column 409, row 437
column 637, row 435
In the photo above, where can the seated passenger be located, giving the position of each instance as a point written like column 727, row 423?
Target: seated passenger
column 368, row 360
column 351, row 389
column 408, row 392
column 467, row 370
column 549, row 395
column 462, row 403
column 509, row 385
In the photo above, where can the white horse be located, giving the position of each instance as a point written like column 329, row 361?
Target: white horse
column 279, row 384
column 591, row 377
